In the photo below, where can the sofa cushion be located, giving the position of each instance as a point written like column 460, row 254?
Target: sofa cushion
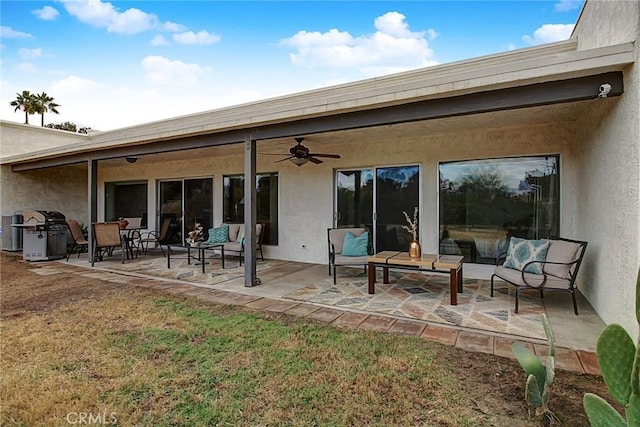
column 355, row 246
column 523, row 251
column 219, row 234
column 562, row 252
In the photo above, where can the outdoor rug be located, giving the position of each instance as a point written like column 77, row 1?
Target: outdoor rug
column 181, row 270
column 426, row 297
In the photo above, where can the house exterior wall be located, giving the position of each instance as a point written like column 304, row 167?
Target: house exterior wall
column 306, row 194
column 609, row 162
column 62, row 189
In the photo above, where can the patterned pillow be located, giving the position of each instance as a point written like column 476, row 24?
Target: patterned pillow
column 522, row 251
column 355, row 246
column 219, row 235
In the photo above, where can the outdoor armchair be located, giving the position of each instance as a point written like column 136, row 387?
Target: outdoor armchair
column 353, row 253
column 80, row 243
column 107, row 238
column 556, row 270
column 156, row 238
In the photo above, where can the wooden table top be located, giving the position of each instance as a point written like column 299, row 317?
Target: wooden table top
column 432, row 261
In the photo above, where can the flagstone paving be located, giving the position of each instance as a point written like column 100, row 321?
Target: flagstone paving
column 579, row 361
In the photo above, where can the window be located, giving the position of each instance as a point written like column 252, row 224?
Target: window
column 126, row 199
column 266, row 203
column 485, row 202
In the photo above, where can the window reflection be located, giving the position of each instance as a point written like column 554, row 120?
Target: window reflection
column 266, row 203
column 485, row 202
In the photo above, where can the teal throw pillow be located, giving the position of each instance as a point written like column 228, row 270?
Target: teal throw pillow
column 219, row 235
column 355, row 246
column 522, row 251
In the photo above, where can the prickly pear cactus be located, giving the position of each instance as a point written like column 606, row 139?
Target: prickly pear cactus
column 619, row 361
column 539, row 376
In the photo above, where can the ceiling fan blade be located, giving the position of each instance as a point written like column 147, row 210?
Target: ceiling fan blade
column 314, row 160
column 275, row 154
column 333, row 156
column 285, row 159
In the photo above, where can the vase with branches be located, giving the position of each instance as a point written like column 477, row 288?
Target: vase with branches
column 196, row 235
column 415, row 251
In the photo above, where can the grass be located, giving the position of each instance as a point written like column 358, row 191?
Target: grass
column 145, row 359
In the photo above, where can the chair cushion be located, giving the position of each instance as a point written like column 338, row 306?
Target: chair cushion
column 523, row 251
column 234, row 231
column 350, row 260
column 336, row 236
column 219, row 234
column 561, row 251
column 532, row 280
column 355, row 246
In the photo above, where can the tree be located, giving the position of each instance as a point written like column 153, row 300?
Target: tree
column 43, row 104
column 26, row 102
column 68, row 126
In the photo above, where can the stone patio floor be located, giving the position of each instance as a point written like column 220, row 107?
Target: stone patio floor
column 571, row 355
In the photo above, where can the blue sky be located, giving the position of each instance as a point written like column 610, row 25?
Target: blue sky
column 121, row 63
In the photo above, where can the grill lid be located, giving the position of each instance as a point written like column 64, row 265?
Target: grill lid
column 36, row 217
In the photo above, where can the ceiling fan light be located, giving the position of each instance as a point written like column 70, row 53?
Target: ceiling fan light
column 131, row 159
column 298, row 161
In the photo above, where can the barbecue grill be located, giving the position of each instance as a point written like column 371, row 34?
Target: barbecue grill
column 44, row 235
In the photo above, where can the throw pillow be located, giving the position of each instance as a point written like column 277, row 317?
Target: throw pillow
column 522, row 251
column 355, row 246
column 219, row 235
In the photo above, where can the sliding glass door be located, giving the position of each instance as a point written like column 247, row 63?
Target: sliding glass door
column 185, row 202
column 397, row 191
column 375, row 198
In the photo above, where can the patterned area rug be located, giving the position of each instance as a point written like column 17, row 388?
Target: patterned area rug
column 426, row 297
column 181, row 270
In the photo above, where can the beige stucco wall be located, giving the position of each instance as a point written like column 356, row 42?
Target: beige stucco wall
column 62, row 189
column 17, row 138
column 609, row 164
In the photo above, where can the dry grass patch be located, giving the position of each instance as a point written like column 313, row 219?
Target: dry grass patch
column 153, row 359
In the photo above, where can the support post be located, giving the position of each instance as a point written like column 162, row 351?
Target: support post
column 92, row 208
column 250, row 213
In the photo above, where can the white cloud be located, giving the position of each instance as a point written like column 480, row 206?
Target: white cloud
column 30, row 53
column 26, row 68
column 163, row 71
column 549, row 33
column 567, row 5
column 105, row 15
column 159, row 41
column 392, row 48
column 47, row 13
column 73, row 85
column 10, row 33
column 172, row 27
column 200, row 38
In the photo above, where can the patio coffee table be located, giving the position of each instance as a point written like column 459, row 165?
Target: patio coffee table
column 201, row 247
column 427, row 262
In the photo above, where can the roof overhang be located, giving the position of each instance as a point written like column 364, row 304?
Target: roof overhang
column 530, row 77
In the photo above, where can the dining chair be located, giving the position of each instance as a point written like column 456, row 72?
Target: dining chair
column 107, row 238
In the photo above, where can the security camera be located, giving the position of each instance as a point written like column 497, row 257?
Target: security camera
column 604, row 90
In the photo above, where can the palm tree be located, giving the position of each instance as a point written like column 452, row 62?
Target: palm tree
column 44, row 103
column 26, row 102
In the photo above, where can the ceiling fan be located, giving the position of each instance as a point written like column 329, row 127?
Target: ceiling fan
column 299, row 154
